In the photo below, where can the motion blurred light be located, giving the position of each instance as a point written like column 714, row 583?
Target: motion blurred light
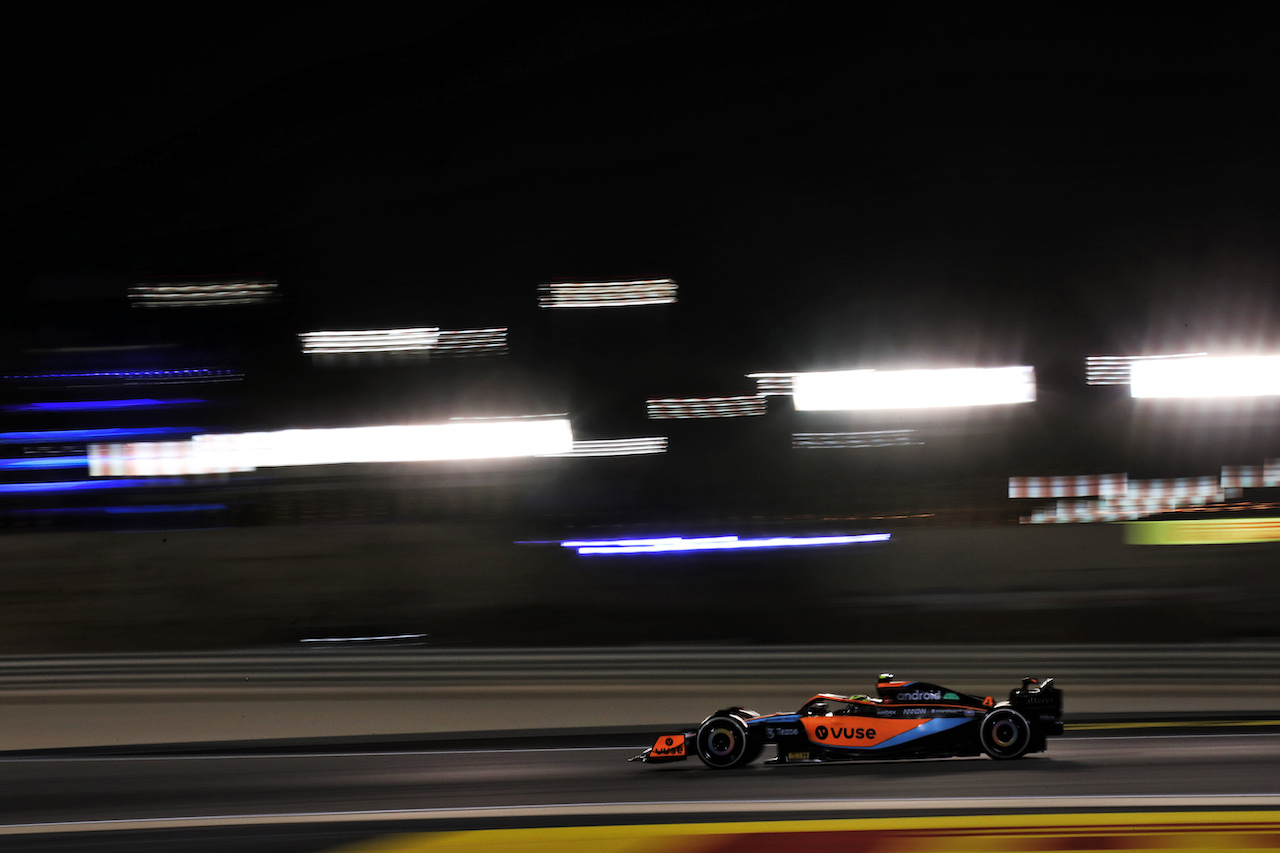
column 672, row 408
column 1203, row 531
column 88, row 485
column 104, row 405
column 43, row 463
column 607, row 294
column 199, row 294
column 427, row 340
column 1207, row 376
column 369, row 340
column 1117, row 369
column 488, row 439
column 868, row 438
column 772, row 384
column 466, row 343
column 177, row 376
column 663, row 545
column 855, row 390
column 70, row 436
column 617, row 447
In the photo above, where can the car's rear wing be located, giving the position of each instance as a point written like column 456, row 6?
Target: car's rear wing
column 1041, row 703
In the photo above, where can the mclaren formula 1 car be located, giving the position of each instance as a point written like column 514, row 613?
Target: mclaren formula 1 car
column 906, row 719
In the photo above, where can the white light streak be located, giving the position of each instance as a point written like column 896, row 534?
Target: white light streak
column 467, row 343
column 870, row 438
column 773, row 384
column 607, row 294
column 195, row 294
column 489, row 439
column 423, row 341
column 617, row 447
column 713, row 543
column 1116, row 369
column 1207, row 377
column 857, row 390
column 671, row 408
column 370, row 340
column 364, row 639
column 157, row 458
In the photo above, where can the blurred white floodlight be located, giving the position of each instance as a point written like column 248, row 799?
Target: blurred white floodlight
column 205, row 454
column 852, row 390
column 369, row 340
column 191, row 294
column 607, row 294
column 1117, row 369
column 491, row 439
column 1207, row 376
column 672, row 408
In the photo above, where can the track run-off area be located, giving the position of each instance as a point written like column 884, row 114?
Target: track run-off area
column 1203, row 785
column 419, row 749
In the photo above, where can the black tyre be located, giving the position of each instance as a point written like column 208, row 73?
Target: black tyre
column 723, row 742
column 1005, row 734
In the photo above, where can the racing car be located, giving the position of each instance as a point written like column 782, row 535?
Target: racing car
column 905, row 719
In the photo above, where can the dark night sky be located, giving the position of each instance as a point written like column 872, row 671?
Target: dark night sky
column 831, row 187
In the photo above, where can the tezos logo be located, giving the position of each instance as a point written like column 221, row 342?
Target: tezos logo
column 920, row 696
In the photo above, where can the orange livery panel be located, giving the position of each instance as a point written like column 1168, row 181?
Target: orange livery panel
column 856, row 732
column 667, row 746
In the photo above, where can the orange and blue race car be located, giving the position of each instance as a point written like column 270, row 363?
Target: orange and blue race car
column 905, row 719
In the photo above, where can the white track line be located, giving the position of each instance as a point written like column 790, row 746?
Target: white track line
column 232, row 756
column 627, row 809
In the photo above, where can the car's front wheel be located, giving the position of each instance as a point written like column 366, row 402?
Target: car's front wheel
column 1005, row 734
column 723, row 742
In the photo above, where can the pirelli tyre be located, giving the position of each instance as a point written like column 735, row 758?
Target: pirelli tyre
column 1005, row 734
column 723, row 742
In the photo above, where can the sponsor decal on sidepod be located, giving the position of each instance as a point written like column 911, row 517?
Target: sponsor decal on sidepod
column 834, row 732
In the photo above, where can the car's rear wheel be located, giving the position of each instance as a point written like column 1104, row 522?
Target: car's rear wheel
column 1005, row 734
column 723, row 742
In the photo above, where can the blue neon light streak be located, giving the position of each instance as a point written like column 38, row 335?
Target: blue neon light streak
column 185, row 373
column 55, row 436
column 103, row 405
column 131, row 510
column 43, row 463
column 712, row 543
column 85, row 510
column 89, row 485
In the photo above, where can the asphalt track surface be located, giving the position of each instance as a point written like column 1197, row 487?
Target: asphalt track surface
column 323, row 795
